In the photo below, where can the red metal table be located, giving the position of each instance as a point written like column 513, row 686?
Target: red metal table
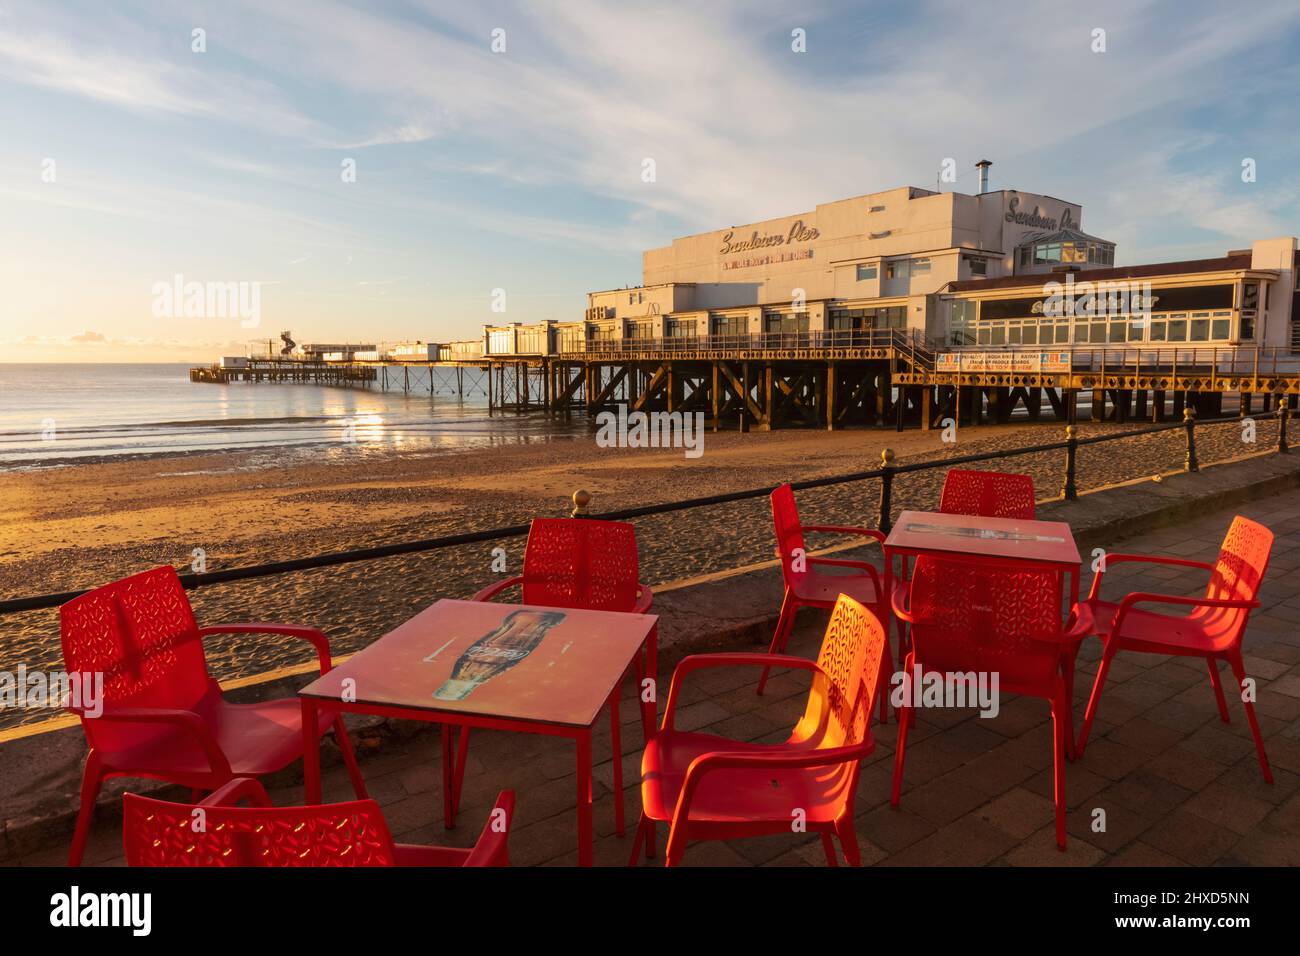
column 1045, row 544
column 1048, row 544
column 496, row 666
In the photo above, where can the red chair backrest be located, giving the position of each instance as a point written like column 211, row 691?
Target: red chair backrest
column 988, row 494
column 490, row 850
column 158, row 833
column 1239, row 570
column 839, row 707
column 789, row 536
column 581, row 563
column 141, row 634
column 984, row 616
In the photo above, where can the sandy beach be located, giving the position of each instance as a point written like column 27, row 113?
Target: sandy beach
column 75, row 527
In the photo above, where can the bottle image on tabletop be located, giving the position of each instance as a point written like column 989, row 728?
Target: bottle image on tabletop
column 497, row 651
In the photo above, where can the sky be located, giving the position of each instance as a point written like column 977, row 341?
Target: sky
column 375, row 170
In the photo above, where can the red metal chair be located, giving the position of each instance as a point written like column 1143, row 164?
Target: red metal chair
column 1212, row 628
column 987, row 494
column 218, row 833
column 579, row 563
column 711, row 788
column 164, row 717
column 987, row 617
column 807, row 587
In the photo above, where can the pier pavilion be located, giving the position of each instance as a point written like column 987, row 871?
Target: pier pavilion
column 902, row 306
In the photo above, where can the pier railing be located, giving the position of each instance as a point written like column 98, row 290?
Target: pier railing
column 887, row 474
column 908, row 340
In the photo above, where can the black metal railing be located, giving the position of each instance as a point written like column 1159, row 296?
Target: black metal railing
column 887, row 473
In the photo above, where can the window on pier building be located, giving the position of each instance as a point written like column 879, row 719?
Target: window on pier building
column 886, row 317
column 680, row 328
column 867, row 270
column 905, row 268
column 731, row 325
column 961, row 322
column 785, row 322
column 640, row 330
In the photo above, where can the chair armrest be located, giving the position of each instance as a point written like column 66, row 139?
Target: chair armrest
column 314, row 635
column 491, row 591
column 644, row 598
column 696, row 662
column 844, row 529
column 1144, row 597
column 900, row 599
column 733, row 760
column 1142, row 558
column 186, row 720
column 846, row 563
column 240, row 788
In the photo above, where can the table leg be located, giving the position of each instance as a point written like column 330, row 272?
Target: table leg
column 650, row 708
column 616, row 746
column 310, row 753
column 462, row 751
column 584, row 799
column 448, row 780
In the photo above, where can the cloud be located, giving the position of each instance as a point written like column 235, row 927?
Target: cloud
column 87, row 337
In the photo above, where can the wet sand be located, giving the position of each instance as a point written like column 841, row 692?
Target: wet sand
column 75, row 527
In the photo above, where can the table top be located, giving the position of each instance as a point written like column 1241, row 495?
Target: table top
column 1047, row 542
column 512, row 661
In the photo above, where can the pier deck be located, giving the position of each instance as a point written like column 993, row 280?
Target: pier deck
column 825, row 379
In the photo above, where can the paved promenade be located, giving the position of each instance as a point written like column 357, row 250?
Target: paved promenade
column 1178, row 786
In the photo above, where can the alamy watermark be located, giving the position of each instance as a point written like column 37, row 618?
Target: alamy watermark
column 624, row 429
column 208, row 300
column 83, row 691
column 946, row 689
column 1100, row 299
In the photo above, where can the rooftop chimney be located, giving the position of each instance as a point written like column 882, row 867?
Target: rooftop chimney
column 983, row 166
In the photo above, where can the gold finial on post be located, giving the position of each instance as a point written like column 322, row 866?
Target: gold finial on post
column 1070, row 432
column 580, row 501
column 887, row 457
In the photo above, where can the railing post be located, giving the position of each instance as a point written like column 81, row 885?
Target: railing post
column 1189, row 422
column 1069, row 491
column 1283, row 414
column 580, row 501
column 886, row 488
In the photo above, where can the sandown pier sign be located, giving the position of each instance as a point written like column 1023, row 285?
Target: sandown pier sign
column 1036, row 219
column 798, row 233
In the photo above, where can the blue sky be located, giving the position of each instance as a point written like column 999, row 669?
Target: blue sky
column 521, row 170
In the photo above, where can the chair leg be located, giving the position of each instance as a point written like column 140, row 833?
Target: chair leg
column 784, row 622
column 92, row 777
column 1102, row 669
column 849, row 842
column 349, row 758
column 905, row 718
column 1218, row 688
column 1239, row 672
column 637, row 841
column 676, row 847
column 1068, row 663
column 886, row 672
column 828, row 845
column 616, row 745
column 1059, row 722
